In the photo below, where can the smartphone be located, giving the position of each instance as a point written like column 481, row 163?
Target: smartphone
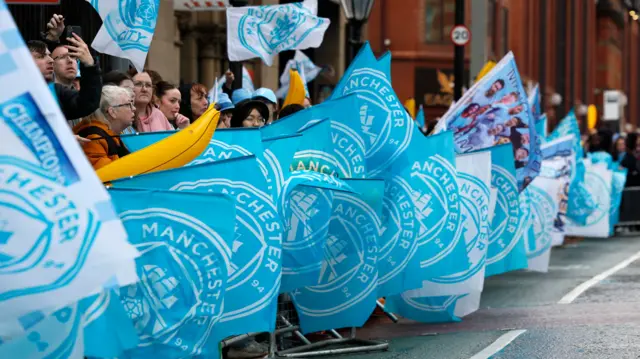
column 73, row 30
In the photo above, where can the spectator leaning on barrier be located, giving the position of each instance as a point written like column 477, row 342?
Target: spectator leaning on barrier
column 103, row 127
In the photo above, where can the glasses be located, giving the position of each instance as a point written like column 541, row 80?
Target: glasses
column 142, row 84
column 129, row 104
column 64, row 57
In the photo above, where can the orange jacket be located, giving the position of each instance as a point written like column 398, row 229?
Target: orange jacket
column 97, row 151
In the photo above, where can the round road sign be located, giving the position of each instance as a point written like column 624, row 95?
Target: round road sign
column 460, row 35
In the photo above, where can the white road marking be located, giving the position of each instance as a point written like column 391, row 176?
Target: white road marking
column 500, row 343
column 575, row 293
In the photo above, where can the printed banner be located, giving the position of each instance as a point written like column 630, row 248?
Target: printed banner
column 127, row 28
column 185, row 269
column 506, row 250
column 496, row 111
column 57, row 245
column 548, row 198
column 384, row 123
column 265, row 31
column 581, row 203
column 345, row 292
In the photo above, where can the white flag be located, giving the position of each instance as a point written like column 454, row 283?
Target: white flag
column 127, row 28
column 200, row 5
column 264, row 31
column 60, row 238
column 308, row 70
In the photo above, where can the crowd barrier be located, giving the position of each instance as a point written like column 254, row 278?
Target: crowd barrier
column 629, row 215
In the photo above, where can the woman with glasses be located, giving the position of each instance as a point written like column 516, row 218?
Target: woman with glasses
column 102, row 128
column 253, row 113
column 148, row 117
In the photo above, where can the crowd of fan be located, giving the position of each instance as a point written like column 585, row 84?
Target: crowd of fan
column 101, row 108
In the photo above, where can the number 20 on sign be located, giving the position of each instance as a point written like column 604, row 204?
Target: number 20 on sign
column 460, row 35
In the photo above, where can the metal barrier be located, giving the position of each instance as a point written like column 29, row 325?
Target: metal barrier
column 629, row 223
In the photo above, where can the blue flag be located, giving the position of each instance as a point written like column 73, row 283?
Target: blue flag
column 496, row 111
column 254, row 279
column 421, row 217
column 384, row 123
column 581, row 203
column 276, row 159
column 420, row 118
column 424, row 309
column 344, row 294
column 346, row 149
column 184, row 268
column 306, row 207
column 506, row 250
column 108, row 330
column 51, row 335
column 544, row 197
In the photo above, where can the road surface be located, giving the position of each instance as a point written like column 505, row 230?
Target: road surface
column 563, row 314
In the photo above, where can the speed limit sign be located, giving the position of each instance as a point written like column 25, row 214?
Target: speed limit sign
column 460, row 35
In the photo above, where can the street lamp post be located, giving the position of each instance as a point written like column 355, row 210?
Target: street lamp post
column 236, row 67
column 357, row 13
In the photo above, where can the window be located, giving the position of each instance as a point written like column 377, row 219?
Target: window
column 439, row 20
column 505, row 31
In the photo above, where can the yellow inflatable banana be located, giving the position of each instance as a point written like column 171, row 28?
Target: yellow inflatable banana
column 485, row 70
column 410, row 105
column 173, row 152
column 592, row 116
column 296, row 92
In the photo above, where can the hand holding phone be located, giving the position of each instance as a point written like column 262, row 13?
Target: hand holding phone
column 73, row 30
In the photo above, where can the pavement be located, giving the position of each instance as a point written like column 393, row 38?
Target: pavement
column 521, row 317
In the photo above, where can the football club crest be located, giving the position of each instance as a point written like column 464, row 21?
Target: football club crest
column 601, row 194
column 506, row 219
column 132, row 23
column 45, row 234
column 437, row 207
column 474, row 200
column 57, row 335
column 264, row 31
column 384, row 123
column 257, row 245
column 344, row 292
column 543, row 214
column 184, row 267
column 398, row 244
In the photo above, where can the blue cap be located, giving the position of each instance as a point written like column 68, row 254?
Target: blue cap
column 265, row 93
column 224, row 103
column 240, row 95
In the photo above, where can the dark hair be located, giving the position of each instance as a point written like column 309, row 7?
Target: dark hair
column 290, row 110
column 162, row 87
column 115, row 77
column 37, row 46
column 500, row 81
column 630, row 142
column 241, row 112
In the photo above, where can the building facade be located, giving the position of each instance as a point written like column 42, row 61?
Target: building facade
column 575, row 49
